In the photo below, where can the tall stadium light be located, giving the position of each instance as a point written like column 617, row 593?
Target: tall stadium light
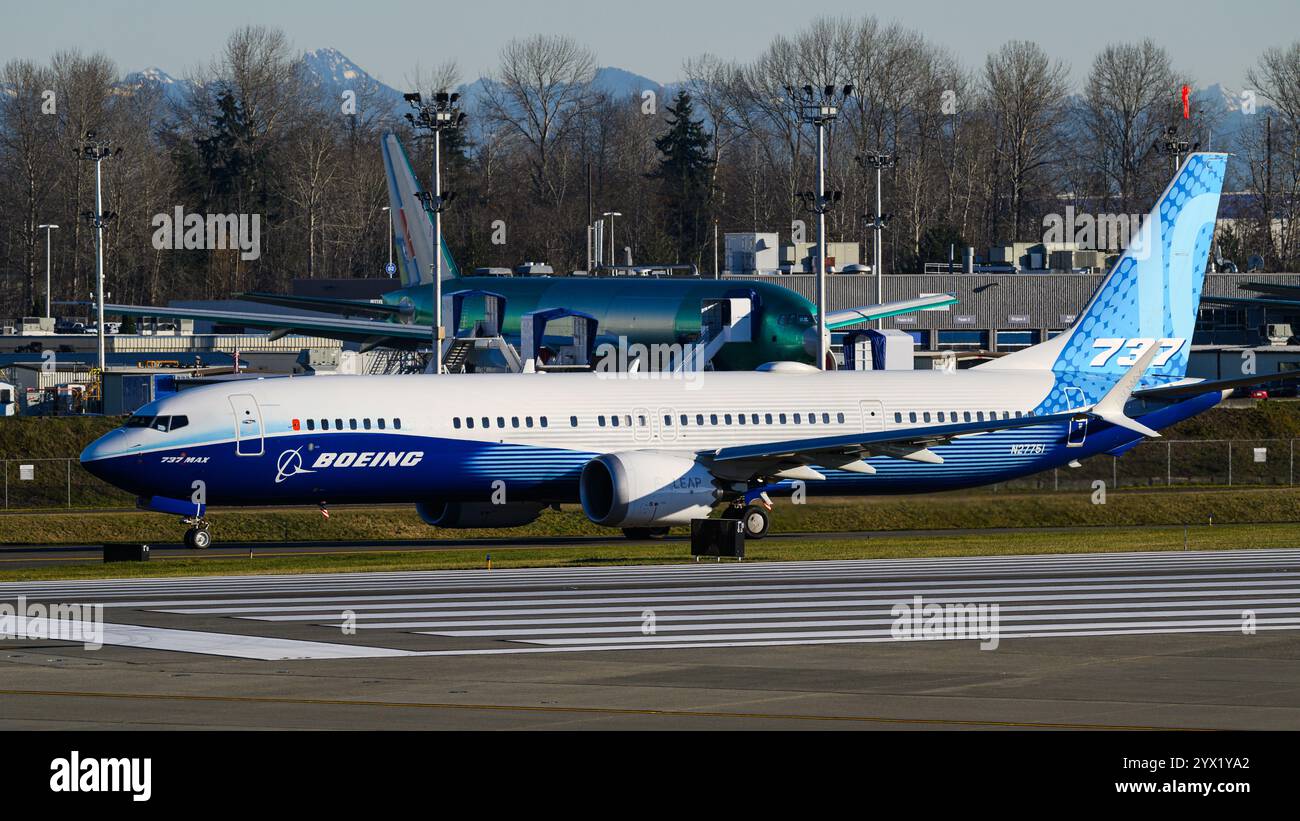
column 95, row 149
column 1174, row 146
column 390, row 240
column 47, row 228
column 435, row 117
column 820, row 109
column 613, row 257
column 880, row 162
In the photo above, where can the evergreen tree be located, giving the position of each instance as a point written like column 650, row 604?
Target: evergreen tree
column 683, row 174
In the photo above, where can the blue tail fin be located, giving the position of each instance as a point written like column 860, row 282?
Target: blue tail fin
column 412, row 220
column 1150, row 298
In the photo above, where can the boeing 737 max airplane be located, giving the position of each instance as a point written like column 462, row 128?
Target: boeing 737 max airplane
column 646, row 451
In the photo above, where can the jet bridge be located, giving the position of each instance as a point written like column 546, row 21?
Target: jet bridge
column 574, row 353
column 731, row 318
column 481, row 345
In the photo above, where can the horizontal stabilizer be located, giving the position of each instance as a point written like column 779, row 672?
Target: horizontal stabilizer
column 1205, row 386
column 867, row 313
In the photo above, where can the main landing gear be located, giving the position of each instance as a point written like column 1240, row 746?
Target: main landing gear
column 199, row 536
column 753, row 517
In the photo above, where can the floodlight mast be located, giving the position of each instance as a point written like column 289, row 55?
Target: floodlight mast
column 820, row 112
column 443, row 113
column 47, row 228
column 96, row 150
column 879, row 161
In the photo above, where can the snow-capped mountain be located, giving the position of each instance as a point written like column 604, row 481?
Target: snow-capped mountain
column 330, row 71
column 154, row 77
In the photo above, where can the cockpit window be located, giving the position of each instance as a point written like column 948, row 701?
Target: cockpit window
column 159, row 423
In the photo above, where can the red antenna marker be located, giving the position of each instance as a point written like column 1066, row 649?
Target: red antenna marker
column 1187, row 105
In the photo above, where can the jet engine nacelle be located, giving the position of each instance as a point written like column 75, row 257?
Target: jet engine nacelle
column 642, row 489
column 478, row 514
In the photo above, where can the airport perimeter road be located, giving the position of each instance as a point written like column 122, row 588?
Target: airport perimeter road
column 1139, row 640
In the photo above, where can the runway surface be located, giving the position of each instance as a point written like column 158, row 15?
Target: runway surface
column 1216, row 636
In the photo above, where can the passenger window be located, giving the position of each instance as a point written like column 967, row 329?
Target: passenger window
column 614, row 420
column 726, row 419
column 352, row 423
column 796, row 418
column 898, row 416
column 699, row 419
column 640, row 420
column 683, row 420
column 324, row 424
column 543, row 421
column 600, row 420
column 501, row 421
column 397, row 424
column 381, row 422
column 911, row 416
column 469, row 422
column 668, row 421
column 753, row 418
column 979, row 415
column 573, row 421
column 781, row 417
column 940, row 416
column 338, row 424
column 713, row 419
column 487, row 422
column 839, row 417
column 528, row 421
column 926, row 416
column 365, row 423
column 966, row 415
column 311, row 424
column 455, row 422
column 740, row 417
column 514, row 421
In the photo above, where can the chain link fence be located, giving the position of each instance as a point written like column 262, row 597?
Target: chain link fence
column 1175, row 463
column 48, row 484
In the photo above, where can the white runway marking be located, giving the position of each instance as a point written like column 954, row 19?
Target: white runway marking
column 690, row 606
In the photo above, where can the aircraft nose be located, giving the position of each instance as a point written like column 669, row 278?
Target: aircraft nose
column 95, row 458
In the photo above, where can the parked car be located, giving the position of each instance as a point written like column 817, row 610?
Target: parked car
column 1259, row 393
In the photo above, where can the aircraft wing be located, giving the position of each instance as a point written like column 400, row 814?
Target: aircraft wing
column 852, row 316
column 791, row 459
column 343, row 307
column 370, row 333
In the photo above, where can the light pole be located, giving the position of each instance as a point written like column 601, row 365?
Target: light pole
column 613, row 259
column 434, row 117
column 390, row 240
column 879, row 161
column 47, row 228
column 97, row 150
column 821, row 112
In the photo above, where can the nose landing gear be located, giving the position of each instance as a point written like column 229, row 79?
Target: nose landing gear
column 199, row 535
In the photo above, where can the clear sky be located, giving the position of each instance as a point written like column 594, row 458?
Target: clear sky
column 1213, row 40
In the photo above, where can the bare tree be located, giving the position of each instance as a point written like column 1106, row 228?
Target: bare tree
column 1025, row 93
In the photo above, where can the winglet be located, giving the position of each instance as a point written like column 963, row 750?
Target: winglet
column 1111, row 406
